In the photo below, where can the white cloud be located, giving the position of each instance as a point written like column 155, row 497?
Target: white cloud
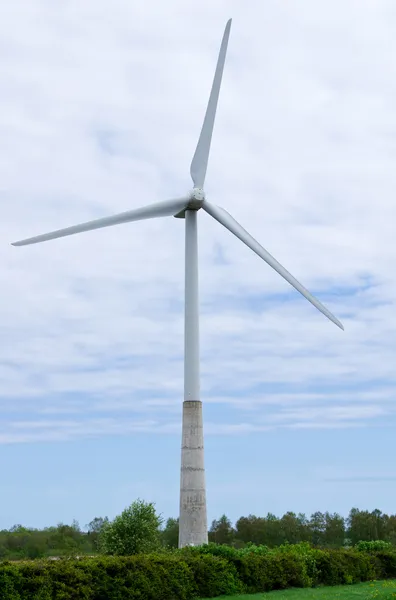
column 100, row 112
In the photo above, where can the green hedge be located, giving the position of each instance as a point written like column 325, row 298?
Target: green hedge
column 191, row 573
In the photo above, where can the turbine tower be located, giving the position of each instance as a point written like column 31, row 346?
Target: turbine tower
column 193, row 529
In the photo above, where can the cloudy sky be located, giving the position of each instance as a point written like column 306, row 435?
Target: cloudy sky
column 101, row 105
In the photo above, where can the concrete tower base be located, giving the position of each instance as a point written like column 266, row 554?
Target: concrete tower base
column 193, row 524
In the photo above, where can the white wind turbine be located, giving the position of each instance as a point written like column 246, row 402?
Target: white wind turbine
column 193, row 518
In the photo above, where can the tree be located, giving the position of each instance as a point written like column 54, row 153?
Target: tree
column 334, row 534
column 367, row 526
column 95, row 528
column 380, row 522
column 170, row 533
column 304, row 528
column 244, row 529
column 135, row 530
column 390, row 532
column 290, row 527
column 222, row 531
column 257, row 530
column 317, row 525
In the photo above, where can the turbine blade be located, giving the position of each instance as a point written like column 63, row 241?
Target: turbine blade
column 160, row 209
column 199, row 162
column 223, row 217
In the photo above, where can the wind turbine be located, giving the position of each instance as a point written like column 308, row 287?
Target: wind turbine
column 193, row 528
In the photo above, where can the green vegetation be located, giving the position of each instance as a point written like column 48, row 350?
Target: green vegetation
column 373, row 546
column 135, row 557
column 325, row 530
column 206, row 572
column 63, row 540
column 321, row 529
column 135, row 530
column 379, row 590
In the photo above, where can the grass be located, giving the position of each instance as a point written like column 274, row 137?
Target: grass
column 378, row 590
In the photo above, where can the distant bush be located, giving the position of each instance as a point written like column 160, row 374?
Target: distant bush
column 252, row 549
column 373, row 546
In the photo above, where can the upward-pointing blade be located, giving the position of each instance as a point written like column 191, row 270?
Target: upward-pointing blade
column 160, row 209
column 199, row 162
column 223, row 217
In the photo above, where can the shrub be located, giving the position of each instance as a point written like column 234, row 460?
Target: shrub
column 206, row 571
column 8, row 583
column 213, row 576
column 151, row 577
column 337, row 567
column 386, row 564
column 373, row 546
column 221, row 550
column 252, row 549
column 135, row 530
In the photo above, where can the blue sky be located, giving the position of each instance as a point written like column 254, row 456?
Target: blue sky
column 100, row 110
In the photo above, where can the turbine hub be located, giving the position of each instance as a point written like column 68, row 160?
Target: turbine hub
column 197, row 198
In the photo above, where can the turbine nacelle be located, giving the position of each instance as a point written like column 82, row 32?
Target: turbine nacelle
column 196, row 199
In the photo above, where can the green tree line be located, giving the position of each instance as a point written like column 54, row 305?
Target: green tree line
column 329, row 530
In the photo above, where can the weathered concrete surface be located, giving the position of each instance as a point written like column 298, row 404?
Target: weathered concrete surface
column 193, row 524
